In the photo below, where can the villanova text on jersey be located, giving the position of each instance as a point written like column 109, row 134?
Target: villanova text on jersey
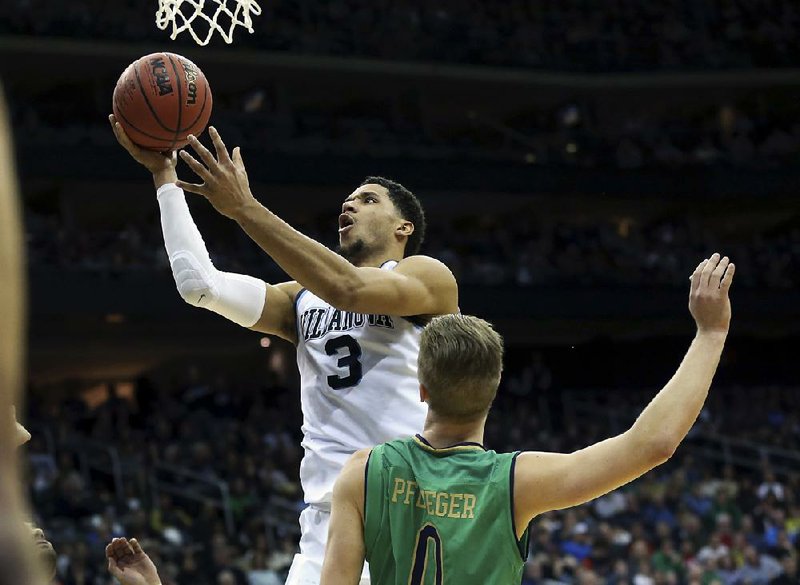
column 316, row 322
column 358, row 388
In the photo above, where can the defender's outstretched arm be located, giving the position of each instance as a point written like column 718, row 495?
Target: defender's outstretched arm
column 552, row 481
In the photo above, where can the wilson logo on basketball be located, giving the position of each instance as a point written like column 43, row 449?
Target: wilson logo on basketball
column 191, row 86
column 162, row 78
column 160, row 99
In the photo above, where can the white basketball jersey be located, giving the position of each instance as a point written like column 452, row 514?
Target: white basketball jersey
column 358, row 386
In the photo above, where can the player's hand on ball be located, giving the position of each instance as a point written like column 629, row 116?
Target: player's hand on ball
column 225, row 183
column 153, row 161
column 129, row 563
column 709, row 303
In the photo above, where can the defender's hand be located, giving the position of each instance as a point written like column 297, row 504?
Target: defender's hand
column 709, row 303
column 225, row 185
column 129, row 563
column 161, row 165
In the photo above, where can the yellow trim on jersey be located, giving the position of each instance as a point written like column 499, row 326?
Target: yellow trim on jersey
column 454, row 448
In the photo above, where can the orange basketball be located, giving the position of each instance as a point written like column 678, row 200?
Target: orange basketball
column 160, row 99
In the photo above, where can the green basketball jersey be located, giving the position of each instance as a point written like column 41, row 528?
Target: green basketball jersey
column 441, row 516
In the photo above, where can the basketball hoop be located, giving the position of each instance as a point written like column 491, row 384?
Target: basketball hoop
column 182, row 14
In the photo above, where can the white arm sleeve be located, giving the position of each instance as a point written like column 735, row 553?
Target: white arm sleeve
column 236, row 297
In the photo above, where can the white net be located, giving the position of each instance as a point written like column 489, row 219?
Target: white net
column 219, row 17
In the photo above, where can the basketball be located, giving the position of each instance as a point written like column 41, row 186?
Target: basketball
column 160, row 99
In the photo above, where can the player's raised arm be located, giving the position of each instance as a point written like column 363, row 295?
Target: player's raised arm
column 245, row 300
column 549, row 481
column 418, row 286
column 345, row 552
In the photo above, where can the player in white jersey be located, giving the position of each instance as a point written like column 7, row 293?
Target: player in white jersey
column 354, row 317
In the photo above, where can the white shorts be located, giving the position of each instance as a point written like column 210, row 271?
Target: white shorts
column 306, row 567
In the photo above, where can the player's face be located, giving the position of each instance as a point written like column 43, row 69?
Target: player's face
column 368, row 221
column 45, row 552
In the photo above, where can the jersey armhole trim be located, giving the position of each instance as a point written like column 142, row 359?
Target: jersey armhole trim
column 417, row 321
column 521, row 542
column 297, row 296
column 366, row 478
column 372, row 523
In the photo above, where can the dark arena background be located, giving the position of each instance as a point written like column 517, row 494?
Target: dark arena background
column 576, row 160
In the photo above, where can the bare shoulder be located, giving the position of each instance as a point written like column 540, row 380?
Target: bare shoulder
column 436, row 277
column 534, row 470
column 426, row 265
column 357, row 461
column 355, row 467
column 350, row 483
column 533, row 460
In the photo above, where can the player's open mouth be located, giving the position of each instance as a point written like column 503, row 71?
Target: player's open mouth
column 345, row 223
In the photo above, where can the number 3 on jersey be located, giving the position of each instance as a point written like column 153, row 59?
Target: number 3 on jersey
column 352, row 351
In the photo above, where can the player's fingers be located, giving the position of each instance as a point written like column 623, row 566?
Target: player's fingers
column 727, row 278
column 122, row 549
column 195, row 165
column 120, row 134
column 137, row 548
column 122, row 137
column 119, row 548
column 237, row 158
column 708, row 269
column 202, row 152
column 114, row 569
column 219, row 146
column 716, row 275
column 192, row 187
column 695, row 278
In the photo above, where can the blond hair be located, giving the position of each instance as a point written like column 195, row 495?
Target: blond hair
column 460, row 363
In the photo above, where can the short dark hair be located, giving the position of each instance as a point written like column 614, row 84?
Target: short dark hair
column 409, row 208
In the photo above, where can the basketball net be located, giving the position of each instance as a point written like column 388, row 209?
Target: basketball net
column 182, row 14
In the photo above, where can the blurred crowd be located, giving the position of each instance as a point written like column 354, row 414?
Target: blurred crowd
column 516, row 249
column 766, row 415
column 758, row 132
column 619, row 35
column 694, row 521
column 207, row 429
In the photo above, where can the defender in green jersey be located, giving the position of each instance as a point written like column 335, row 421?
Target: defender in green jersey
column 439, row 509
column 427, row 507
